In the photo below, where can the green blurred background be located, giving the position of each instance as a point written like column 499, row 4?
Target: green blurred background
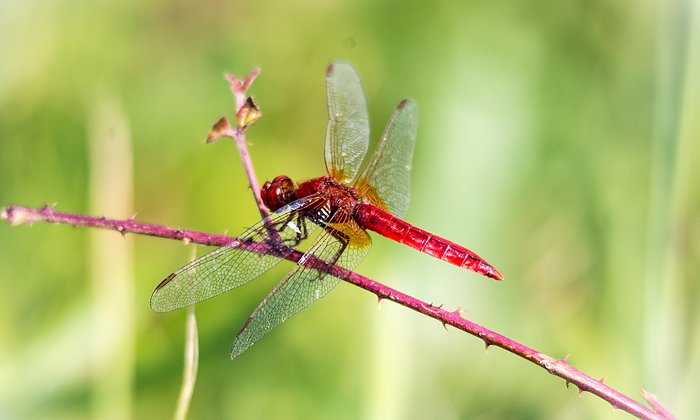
column 556, row 139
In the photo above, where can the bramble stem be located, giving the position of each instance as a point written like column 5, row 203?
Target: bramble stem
column 560, row 368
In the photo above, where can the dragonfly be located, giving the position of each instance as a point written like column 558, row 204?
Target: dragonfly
column 334, row 212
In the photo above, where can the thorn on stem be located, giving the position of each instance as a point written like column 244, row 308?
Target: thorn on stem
column 431, row 308
column 186, row 240
column 565, row 359
column 487, row 344
column 653, row 401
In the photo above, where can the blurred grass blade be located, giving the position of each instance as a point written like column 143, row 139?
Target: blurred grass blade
column 684, row 205
column 189, row 374
column 111, row 262
column 667, row 320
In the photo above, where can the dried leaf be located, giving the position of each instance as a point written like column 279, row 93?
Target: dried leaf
column 220, row 128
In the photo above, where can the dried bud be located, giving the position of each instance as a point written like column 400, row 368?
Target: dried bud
column 220, row 128
column 248, row 115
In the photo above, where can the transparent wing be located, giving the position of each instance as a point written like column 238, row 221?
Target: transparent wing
column 229, row 266
column 347, row 135
column 343, row 243
column 386, row 179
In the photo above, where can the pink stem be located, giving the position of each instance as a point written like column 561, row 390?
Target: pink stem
column 239, row 88
column 560, row 368
column 242, row 145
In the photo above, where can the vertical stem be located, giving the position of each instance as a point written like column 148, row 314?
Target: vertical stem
column 242, row 145
column 189, row 373
column 113, row 293
column 191, row 365
column 239, row 88
column 191, row 362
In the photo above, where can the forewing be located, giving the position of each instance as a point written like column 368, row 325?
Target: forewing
column 305, row 284
column 347, row 134
column 386, row 179
column 229, row 266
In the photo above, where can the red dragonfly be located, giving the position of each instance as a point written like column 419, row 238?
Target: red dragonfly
column 344, row 210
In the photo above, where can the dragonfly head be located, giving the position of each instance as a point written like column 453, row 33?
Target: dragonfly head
column 278, row 193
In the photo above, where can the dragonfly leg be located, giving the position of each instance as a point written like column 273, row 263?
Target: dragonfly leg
column 299, row 228
column 280, row 230
column 344, row 240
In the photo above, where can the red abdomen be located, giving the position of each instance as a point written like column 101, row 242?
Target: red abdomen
column 383, row 223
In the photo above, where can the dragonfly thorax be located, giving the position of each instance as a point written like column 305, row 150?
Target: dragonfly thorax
column 337, row 193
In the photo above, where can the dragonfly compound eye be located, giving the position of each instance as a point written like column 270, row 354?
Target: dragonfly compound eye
column 278, row 193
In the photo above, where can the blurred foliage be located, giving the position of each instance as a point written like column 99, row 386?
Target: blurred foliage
column 556, row 139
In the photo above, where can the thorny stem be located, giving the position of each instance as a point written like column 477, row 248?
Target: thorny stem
column 560, row 368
